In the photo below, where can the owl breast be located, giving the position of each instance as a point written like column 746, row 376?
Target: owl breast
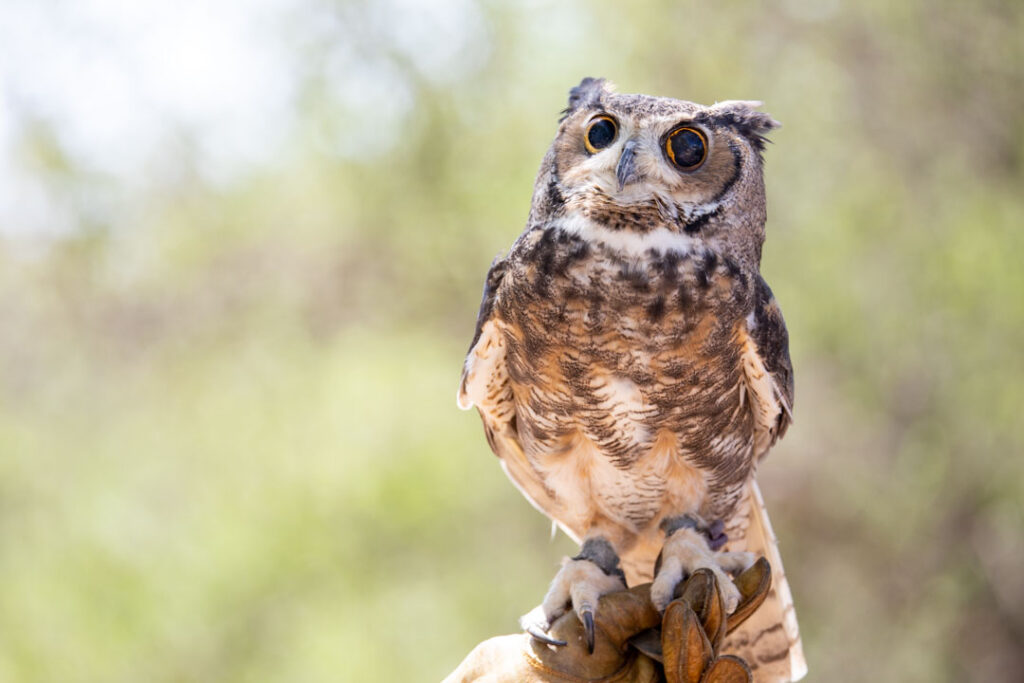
column 626, row 375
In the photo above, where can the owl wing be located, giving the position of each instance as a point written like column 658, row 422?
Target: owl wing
column 486, row 384
column 484, row 381
column 768, row 371
column 770, row 640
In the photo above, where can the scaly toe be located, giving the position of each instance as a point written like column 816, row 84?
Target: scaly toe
column 686, row 551
column 730, row 594
column 664, row 586
column 579, row 584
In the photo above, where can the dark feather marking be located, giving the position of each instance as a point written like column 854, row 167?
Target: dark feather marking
column 541, row 284
column 580, row 250
column 737, row 158
column 636, row 276
column 656, row 309
column 772, row 339
column 709, row 263
column 694, row 226
column 775, row 656
column 545, row 251
column 762, row 634
column 731, row 266
column 572, row 368
column 702, row 279
column 555, row 197
column 491, row 283
column 675, row 369
column 668, row 266
column 489, row 433
column 535, row 345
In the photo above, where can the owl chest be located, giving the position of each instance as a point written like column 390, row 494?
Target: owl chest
column 632, row 358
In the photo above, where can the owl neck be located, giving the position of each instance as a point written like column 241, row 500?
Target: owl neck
column 635, row 231
column 636, row 241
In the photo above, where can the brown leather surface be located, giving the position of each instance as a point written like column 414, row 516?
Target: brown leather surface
column 689, row 635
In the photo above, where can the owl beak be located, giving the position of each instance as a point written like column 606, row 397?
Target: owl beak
column 625, row 172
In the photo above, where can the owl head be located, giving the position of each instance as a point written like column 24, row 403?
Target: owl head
column 653, row 166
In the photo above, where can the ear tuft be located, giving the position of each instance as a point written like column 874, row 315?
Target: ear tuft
column 587, row 94
column 743, row 115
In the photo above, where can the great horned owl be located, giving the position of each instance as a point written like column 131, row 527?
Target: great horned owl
column 630, row 364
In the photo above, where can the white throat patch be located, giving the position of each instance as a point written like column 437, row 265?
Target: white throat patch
column 627, row 242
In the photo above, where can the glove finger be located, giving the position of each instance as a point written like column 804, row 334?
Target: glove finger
column 701, row 590
column 728, row 669
column 649, row 643
column 753, row 585
column 687, row 651
column 623, row 614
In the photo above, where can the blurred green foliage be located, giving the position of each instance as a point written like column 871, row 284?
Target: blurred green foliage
column 229, row 447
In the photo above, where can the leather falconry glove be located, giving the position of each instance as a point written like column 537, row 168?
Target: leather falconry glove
column 632, row 642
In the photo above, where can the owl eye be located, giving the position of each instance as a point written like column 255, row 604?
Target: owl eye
column 687, row 148
column 600, row 133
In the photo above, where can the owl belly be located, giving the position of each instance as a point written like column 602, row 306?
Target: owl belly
column 626, row 381
column 595, row 485
column 615, row 454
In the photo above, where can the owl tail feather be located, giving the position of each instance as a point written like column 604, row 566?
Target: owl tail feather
column 769, row 640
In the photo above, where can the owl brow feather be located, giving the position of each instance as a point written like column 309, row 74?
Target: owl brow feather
column 587, row 94
column 739, row 116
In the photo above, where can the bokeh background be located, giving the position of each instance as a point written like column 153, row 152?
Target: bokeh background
column 241, row 250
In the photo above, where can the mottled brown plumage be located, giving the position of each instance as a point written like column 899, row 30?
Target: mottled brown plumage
column 629, row 363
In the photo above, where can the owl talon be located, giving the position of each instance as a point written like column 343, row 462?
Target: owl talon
column 578, row 586
column 581, row 582
column 539, row 635
column 534, row 623
column 588, row 628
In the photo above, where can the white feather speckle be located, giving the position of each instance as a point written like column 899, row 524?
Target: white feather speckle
column 751, row 322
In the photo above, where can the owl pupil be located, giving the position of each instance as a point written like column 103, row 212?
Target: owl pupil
column 687, row 148
column 601, row 133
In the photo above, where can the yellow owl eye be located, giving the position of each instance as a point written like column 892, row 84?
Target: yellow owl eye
column 600, row 133
column 687, row 148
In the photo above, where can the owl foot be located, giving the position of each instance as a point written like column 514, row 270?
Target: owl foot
column 579, row 584
column 685, row 551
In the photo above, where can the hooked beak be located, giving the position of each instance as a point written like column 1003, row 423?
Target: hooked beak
column 625, row 172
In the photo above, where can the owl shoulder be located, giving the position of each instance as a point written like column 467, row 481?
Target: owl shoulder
column 768, row 329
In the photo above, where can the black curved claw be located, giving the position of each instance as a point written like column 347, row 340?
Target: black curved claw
column 588, row 628
column 537, row 634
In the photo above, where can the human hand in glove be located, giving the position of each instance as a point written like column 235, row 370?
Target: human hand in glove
column 633, row 642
